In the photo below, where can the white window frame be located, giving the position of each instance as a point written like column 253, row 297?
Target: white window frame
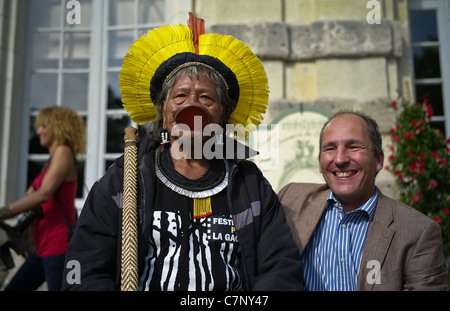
column 442, row 8
column 24, row 156
column 97, row 98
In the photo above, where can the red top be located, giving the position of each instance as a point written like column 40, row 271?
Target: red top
column 50, row 233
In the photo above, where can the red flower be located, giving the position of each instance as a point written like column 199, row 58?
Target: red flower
column 428, row 108
column 394, row 104
column 437, row 219
column 395, row 138
column 410, row 154
column 433, row 183
column 417, row 166
column 435, row 155
column 409, row 135
column 414, row 198
column 430, row 111
column 423, row 155
column 399, row 175
column 391, row 158
column 421, row 170
column 446, row 210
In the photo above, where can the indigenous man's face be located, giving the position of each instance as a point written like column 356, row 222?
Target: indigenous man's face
column 191, row 91
column 347, row 161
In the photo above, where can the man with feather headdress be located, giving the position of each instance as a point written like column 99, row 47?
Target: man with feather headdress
column 208, row 220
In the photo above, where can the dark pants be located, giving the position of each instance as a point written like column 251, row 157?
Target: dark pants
column 35, row 271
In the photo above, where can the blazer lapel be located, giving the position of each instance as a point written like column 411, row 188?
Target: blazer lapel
column 303, row 206
column 310, row 216
column 378, row 240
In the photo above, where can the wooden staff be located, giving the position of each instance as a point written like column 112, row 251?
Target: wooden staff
column 129, row 264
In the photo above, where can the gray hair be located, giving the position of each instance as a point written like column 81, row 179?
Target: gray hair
column 193, row 71
column 372, row 127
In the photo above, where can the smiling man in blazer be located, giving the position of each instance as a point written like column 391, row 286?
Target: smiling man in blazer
column 350, row 235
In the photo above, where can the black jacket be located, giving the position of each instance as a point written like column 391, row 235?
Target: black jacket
column 270, row 259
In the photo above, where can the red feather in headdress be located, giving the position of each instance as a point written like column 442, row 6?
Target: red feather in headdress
column 198, row 28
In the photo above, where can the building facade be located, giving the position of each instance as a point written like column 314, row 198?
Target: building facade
column 321, row 56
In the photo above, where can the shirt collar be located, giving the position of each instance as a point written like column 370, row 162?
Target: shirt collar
column 368, row 207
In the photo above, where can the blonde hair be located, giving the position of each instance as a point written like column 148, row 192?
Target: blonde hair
column 67, row 127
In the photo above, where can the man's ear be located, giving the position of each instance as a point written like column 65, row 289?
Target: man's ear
column 380, row 161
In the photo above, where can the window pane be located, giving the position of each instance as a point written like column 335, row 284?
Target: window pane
column 432, row 92
column 119, row 42
column 43, row 90
column 81, row 185
column 46, row 50
column 75, row 91
column 45, row 13
column 143, row 31
column 76, row 49
column 34, row 145
column 115, row 131
column 426, row 62
column 440, row 125
column 423, row 26
column 151, row 11
column 34, row 168
column 114, row 97
column 121, row 12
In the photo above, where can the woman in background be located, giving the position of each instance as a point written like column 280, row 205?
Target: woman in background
column 52, row 195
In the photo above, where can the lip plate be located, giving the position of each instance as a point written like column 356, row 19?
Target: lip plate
column 186, row 115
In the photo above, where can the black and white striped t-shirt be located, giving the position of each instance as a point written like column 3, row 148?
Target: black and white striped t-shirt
column 187, row 253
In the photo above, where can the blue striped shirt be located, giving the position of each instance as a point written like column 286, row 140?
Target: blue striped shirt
column 332, row 256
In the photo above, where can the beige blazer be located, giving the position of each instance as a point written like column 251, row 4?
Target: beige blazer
column 402, row 244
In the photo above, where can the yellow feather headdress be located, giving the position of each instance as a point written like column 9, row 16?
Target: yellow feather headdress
column 157, row 53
